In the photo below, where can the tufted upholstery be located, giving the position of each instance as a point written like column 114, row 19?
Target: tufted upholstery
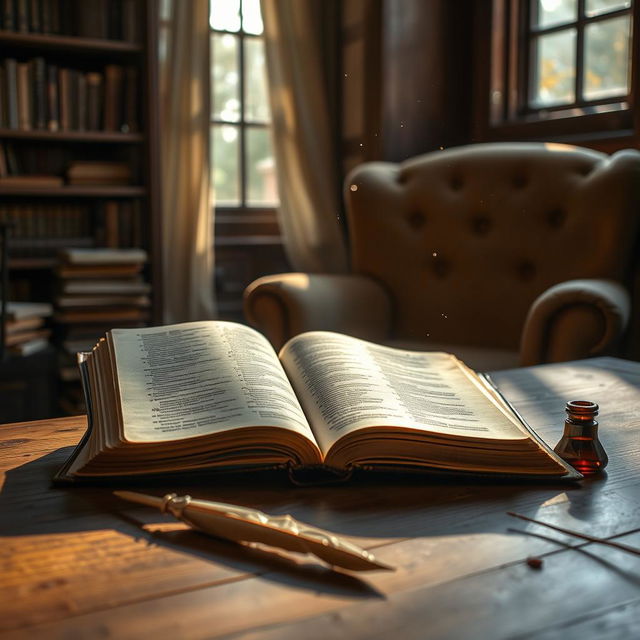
column 470, row 246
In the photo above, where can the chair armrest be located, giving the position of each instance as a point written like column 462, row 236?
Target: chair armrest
column 573, row 320
column 284, row 305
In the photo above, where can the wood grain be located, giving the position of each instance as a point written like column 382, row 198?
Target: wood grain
column 79, row 562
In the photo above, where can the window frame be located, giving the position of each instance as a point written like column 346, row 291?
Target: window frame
column 506, row 115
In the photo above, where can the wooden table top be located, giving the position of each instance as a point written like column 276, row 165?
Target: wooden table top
column 78, row 562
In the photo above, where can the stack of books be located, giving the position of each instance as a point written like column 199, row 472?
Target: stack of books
column 25, row 328
column 87, row 172
column 98, row 289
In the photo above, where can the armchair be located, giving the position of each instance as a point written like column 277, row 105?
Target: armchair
column 501, row 253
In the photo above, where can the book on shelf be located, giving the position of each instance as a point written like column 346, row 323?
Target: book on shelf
column 73, row 302
column 42, row 95
column 11, row 80
column 103, row 257
column 215, row 395
column 28, row 323
column 31, row 180
column 106, row 315
column 19, row 310
column 29, row 347
column 40, row 230
column 4, row 166
column 133, row 286
column 95, row 19
column 25, row 103
column 53, row 98
column 98, row 271
column 21, row 337
column 98, row 173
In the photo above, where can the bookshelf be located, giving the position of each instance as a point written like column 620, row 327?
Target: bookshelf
column 78, row 88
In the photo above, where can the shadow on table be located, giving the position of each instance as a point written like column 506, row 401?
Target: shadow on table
column 380, row 510
column 369, row 505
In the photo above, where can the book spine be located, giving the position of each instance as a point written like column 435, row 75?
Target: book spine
column 114, row 11
column 73, row 99
column 112, row 230
column 56, row 19
column 24, row 96
column 12, row 161
column 81, row 86
column 113, row 97
column 66, row 16
column 94, row 101
column 64, row 99
column 11, row 69
column 53, row 100
column 8, row 15
column 92, row 18
column 35, row 25
column 22, row 16
column 45, row 16
column 3, row 162
column 125, row 224
column 40, row 92
column 129, row 16
column 130, row 123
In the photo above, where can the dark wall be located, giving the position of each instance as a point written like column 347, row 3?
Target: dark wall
column 426, row 75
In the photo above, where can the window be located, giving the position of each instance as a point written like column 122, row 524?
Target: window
column 242, row 162
column 561, row 66
column 579, row 52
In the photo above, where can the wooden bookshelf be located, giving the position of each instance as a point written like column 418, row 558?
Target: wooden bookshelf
column 90, row 137
column 84, row 92
column 71, row 191
column 86, row 46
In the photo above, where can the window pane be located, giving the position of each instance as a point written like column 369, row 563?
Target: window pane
column 225, row 164
column 596, row 7
column 225, row 79
column 550, row 12
column 256, row 97
column 262, row 188
column 251, row 17
column 555, row 68
column 606, row 61
column 224, row 14
column 166, row 9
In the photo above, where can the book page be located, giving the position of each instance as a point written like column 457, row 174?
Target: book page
column 345, row 384
column 199, row 378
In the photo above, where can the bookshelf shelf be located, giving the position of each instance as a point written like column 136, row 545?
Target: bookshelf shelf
column 74, row 192
column 27, row 264
column 107, row 137
column 67, row 44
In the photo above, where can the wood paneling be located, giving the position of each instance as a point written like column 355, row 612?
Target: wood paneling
column 427, row 76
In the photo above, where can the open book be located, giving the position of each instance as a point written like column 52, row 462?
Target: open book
column 215, row 395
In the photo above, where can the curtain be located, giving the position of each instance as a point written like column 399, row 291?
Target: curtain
column 186, row 207
column 304, row 137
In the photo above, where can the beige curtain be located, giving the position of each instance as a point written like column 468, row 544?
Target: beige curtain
column 308, row 179
column 187, row 213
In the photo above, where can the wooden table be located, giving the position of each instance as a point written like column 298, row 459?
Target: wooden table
column 80, row 563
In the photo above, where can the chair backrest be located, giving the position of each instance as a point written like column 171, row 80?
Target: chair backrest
column 466, row 238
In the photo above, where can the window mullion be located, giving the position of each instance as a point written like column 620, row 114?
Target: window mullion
column 579, row 80
column 243, row 144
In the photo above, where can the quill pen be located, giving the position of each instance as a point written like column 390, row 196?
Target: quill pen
column 243, row 524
